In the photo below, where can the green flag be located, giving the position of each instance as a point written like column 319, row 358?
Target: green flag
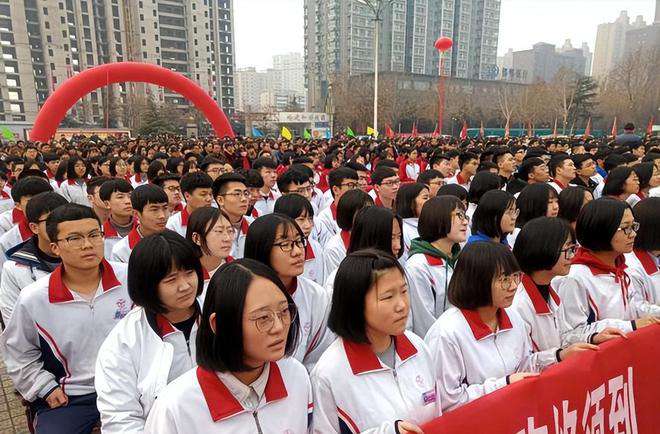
column 349, row 132
column 307, row 134
column 6, row 133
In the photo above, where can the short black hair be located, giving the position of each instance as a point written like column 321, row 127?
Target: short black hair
column 581, row 158
column 540, row 242
column 557, row 161
column 481, row 183
column 114, row 185
column 337, row 176
column 612, row 161
column 201, row 221
column 262, row 232
column 405, row 199
column 152, row 259
column 429, row 175
column 137, row 162
column 598, row 222
column 206, row 162
column 146, row 194
column 372, row 229
column 488, row 215
column 96, row 182
column 66, row 213
column 267, row 162
column 647, row 214
column 615, row 183
column 453, row 190
column 222, row 350
column 220, row 183
column 533, row 202
column 644, row 172
column 485, row 259
column 30, row 186
column 160, row 181
column 436, row 217
column 155, row 167
column 293, row 205
column 291, row 176
column 350, row 203
column 194, row 180
column 571, row 200
column 465, row 157
column 43, row 203
column 253, row 179
column 436, row 157
column 356, row 166
column 381, row 174
column 356, row 274
column 528, row 165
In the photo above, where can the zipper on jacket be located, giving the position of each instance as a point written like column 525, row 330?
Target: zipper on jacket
column 255, row 414
column 498, row 352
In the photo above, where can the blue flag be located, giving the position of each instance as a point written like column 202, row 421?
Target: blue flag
column 257, row 132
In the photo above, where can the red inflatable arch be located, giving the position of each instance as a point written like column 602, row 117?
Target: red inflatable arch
column 60, row 101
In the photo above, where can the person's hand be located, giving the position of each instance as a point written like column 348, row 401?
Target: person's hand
column 607, row 334
column 408, row 427
column 57, row 398
column 646, row 321
column 518, row 376
column 576, row 349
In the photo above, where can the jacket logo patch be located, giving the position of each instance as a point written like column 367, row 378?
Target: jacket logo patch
column 429, row 397
column 122, row 309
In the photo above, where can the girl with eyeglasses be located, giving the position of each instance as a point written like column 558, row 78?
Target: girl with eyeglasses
column 277, row 241
column 481, row 344
column 246, row 380
column 495, row 217
column 155, row 343
column 598, row 292
column 442, row 227
column 544, row 251
column 376, row 377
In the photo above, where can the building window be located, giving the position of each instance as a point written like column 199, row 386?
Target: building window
column 16, row 108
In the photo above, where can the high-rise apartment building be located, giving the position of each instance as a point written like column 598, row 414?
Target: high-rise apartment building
column 610, row 43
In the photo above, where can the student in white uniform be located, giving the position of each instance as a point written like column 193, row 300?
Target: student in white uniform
column 232, row 195
column 277, row 241
column 140, row 168
column 52, row 340
column 562, row 170
column 74, row 189
column 341, row 181
column 408, row 204
column 212, row 234
column 621, row 183
column 643, row 262
column 468, row 163
column 268, row 194
column 536, row 200
column 376, row 377
column 337, row 246
column 481, row 344
column 571, row 202
column 301, row 210
column 116, row 196
column 597, row 291
column 23, row 190
column 649, row 177
column 495, row 217
column 197, row 190
column 155, row 343
column 246, row 382
column 442, row 227
column 544, row 251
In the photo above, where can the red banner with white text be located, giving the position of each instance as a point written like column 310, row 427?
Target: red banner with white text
column 615, row 390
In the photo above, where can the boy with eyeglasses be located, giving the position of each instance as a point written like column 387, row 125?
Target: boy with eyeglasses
column 386, row 184
column 170, row 182
column 59, row 322
column 340, row 180
column 233, row 197
column 197, row 190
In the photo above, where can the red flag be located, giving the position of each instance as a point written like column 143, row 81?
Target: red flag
column 614, row 129
column 507, row 131
column 436, row 133
column 482, row 132
column 587, row 130
column 464, row 135
column 388, row 131
column 554, row 130
column 414, row 133
column 649, row 127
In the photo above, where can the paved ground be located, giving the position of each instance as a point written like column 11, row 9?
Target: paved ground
column 12, row 412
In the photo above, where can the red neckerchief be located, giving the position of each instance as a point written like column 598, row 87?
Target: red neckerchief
column 138, row 177
column 379, row 202
column 4, row 194
column 346, row 238
column 560, row 184
column 645, row 258
column 460, row 180
column 17, row 216
column 254, row 213
column 596, row 266
column 309, row 252
column 333, row 210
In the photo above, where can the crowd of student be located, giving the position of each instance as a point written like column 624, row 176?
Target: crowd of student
column 173, row 285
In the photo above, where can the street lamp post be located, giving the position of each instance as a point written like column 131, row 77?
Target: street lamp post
column 376, row 7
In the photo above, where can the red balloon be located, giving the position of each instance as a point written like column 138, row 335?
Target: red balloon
column 60, row 101
column 443, row 43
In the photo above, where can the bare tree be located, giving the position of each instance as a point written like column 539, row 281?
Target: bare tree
column 564, row 88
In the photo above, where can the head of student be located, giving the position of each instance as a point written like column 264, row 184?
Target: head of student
column 248, row 319
column 386, row 182
column 164, row 274
column 150, row 204
column 26, row 188
column 481, row 183
column 295, row 181
column 76, row 168
column 454, row 190
column 433, row 179
column 545, row 244
column 299, row 209
column 377, row 228
column 536, row 200
column 38, row 210
column 116, row 196
column 443, row 217
column 197, row 190
column 370, row 298
column 647, row 214
column 621, row 182
column 495, row 215
column 606, row 225
column 211, row 233
column 341, row 180
column 410, row 199
column 75, row 236
column 232, row 195
column 571, row 201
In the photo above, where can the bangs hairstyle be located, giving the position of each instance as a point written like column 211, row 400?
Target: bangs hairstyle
column 616, row 181
column 453, row 190
column 539, row 244
column 533, row 202
column 598, row 222
column 570, row 202
column 488, row 215
column 436, row 217
column 200, row 222
column 372, row 229
column 41, row 204
column 152, row 259
column 356, row 275
column 485, row 259
column 147, row 194
column 349, row 204
column 114, row 185
column 647, row 214
column 644, row 172
column 404, row 204
column 71, row 168
column 482, row 183
column 293, row 205
column 261, row 235
column 66, row 213
column 222, row 350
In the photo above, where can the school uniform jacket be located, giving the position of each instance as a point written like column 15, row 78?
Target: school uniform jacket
column 644, row 271
column 410, row 232
column 140, row 356
column 13, row 237
column 266, row 204
column 325, row 224
column 178, row 222
column 335, row 251
column 458, row 179
column 238, row 245
column 74, row 192
column 54, row 335
column 138, row 179
column 112, row 238
column 10, row 218
column 314, row 262
column 121, row 251
column 202, row 401
column 354, row 392
column 471, row 360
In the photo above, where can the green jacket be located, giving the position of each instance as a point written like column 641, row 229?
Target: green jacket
column 420, row 246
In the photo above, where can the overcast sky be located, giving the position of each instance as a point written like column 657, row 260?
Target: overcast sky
column 268, row 27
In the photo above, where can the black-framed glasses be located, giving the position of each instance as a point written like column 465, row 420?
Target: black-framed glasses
column 634, row 227
column 391, row 183
column 77, row 241
column 266, row 320
column 351, row 185
column 238, row 194
column 462, row 216
column 287, row 246
column 569, row 251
